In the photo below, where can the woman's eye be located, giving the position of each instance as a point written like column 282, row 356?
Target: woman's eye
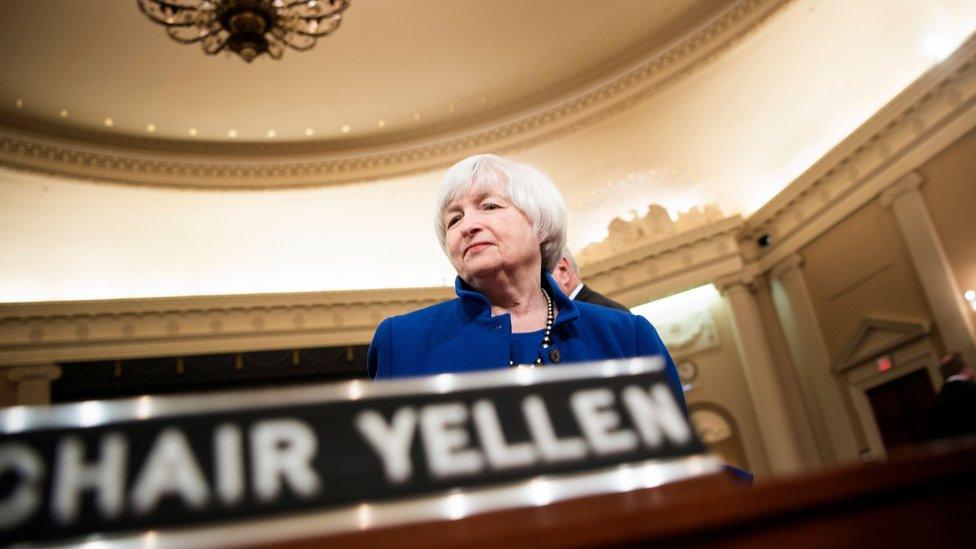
column 489, row 206
column 451, row 221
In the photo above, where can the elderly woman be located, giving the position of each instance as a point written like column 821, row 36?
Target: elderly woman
column 502, row 225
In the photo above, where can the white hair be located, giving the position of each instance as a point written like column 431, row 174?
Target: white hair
column 572, row 260
column 529, row 189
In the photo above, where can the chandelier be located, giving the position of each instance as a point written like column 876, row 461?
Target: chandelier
column 248, row 27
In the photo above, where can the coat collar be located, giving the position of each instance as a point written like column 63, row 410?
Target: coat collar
column 475, row 305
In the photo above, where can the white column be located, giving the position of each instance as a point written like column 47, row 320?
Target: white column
column 33, row 383
column 768, row 401
column 834, row 426
column 932, row 265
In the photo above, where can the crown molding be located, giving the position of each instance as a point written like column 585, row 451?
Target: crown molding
column 909, row 184
column 220, row 165
column 688, row 259
column 929, row 115
column 46, row 332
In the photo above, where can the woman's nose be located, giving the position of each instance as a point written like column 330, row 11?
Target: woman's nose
column 470, row 225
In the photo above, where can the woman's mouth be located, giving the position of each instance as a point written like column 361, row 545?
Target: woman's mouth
column 476, row 247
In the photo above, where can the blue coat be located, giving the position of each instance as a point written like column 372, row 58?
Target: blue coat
column 461, row 336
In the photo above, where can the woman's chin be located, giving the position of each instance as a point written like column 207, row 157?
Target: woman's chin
column 481, row 269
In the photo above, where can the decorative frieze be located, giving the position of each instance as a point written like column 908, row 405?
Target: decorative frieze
column 692, row 258
column 32, row 333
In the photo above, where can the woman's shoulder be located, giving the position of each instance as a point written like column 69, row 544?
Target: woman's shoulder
column 615, row 320
column 591, row 311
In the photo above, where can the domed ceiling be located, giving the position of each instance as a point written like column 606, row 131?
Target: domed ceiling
column 407, row 85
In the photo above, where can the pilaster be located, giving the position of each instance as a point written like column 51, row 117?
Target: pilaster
column 833, row 424
column 929, row 259
column 33, row 383
column 778, row 435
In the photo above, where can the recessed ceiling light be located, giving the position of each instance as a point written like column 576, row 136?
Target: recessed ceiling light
column 232, row 133
column 272, row 133
column 193, row 131
column 63, row 113
column 416, row 117
column 309, row 131
column 19, row 102
column 381, row 123
column 150, row 127
column 109, row 122
column 345, row 128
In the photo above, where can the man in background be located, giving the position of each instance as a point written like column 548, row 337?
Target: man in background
column 567, row 276
column 953, row 413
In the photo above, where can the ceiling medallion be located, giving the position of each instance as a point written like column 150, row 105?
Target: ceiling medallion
column 248, row 27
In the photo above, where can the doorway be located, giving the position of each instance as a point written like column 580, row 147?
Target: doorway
column 899, row 407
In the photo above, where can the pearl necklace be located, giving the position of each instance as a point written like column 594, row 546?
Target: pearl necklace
column 546, row 339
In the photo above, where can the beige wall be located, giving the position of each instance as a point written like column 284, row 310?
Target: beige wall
column 949, row 192
column 860, row 269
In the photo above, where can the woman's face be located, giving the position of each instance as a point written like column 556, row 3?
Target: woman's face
column 486, row 233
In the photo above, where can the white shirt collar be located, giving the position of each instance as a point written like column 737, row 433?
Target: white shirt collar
column 572, row 295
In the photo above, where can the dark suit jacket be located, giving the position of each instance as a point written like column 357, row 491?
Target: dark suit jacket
column 589, row 296
column 954, row 411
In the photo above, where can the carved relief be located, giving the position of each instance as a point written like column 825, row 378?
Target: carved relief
column 710, row 426
column 718, row 430
column 654, row 226
column 691, row 334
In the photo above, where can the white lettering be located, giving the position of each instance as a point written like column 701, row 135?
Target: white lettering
column 228, row 466
column 106, row 477
column 550, row 446
column 283, row 449
column 446, row 440
column 500, row 454
column 391, row 442
column 24, row 498
column 593, row 409
column 170, row 468
column 655, row 414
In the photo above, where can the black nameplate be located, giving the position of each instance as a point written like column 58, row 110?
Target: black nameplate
column 246, row 461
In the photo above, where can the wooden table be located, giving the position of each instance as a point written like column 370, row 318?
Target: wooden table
column 922, row 498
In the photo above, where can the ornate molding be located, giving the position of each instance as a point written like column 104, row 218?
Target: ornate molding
column 40, row 333
column 864, row 346
column 692, row 334
column 908, row 184
column 788, row 265
column 748, row 279
column 45, row 372
column 179, row 164
column 659, row 268
column 930, row 114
